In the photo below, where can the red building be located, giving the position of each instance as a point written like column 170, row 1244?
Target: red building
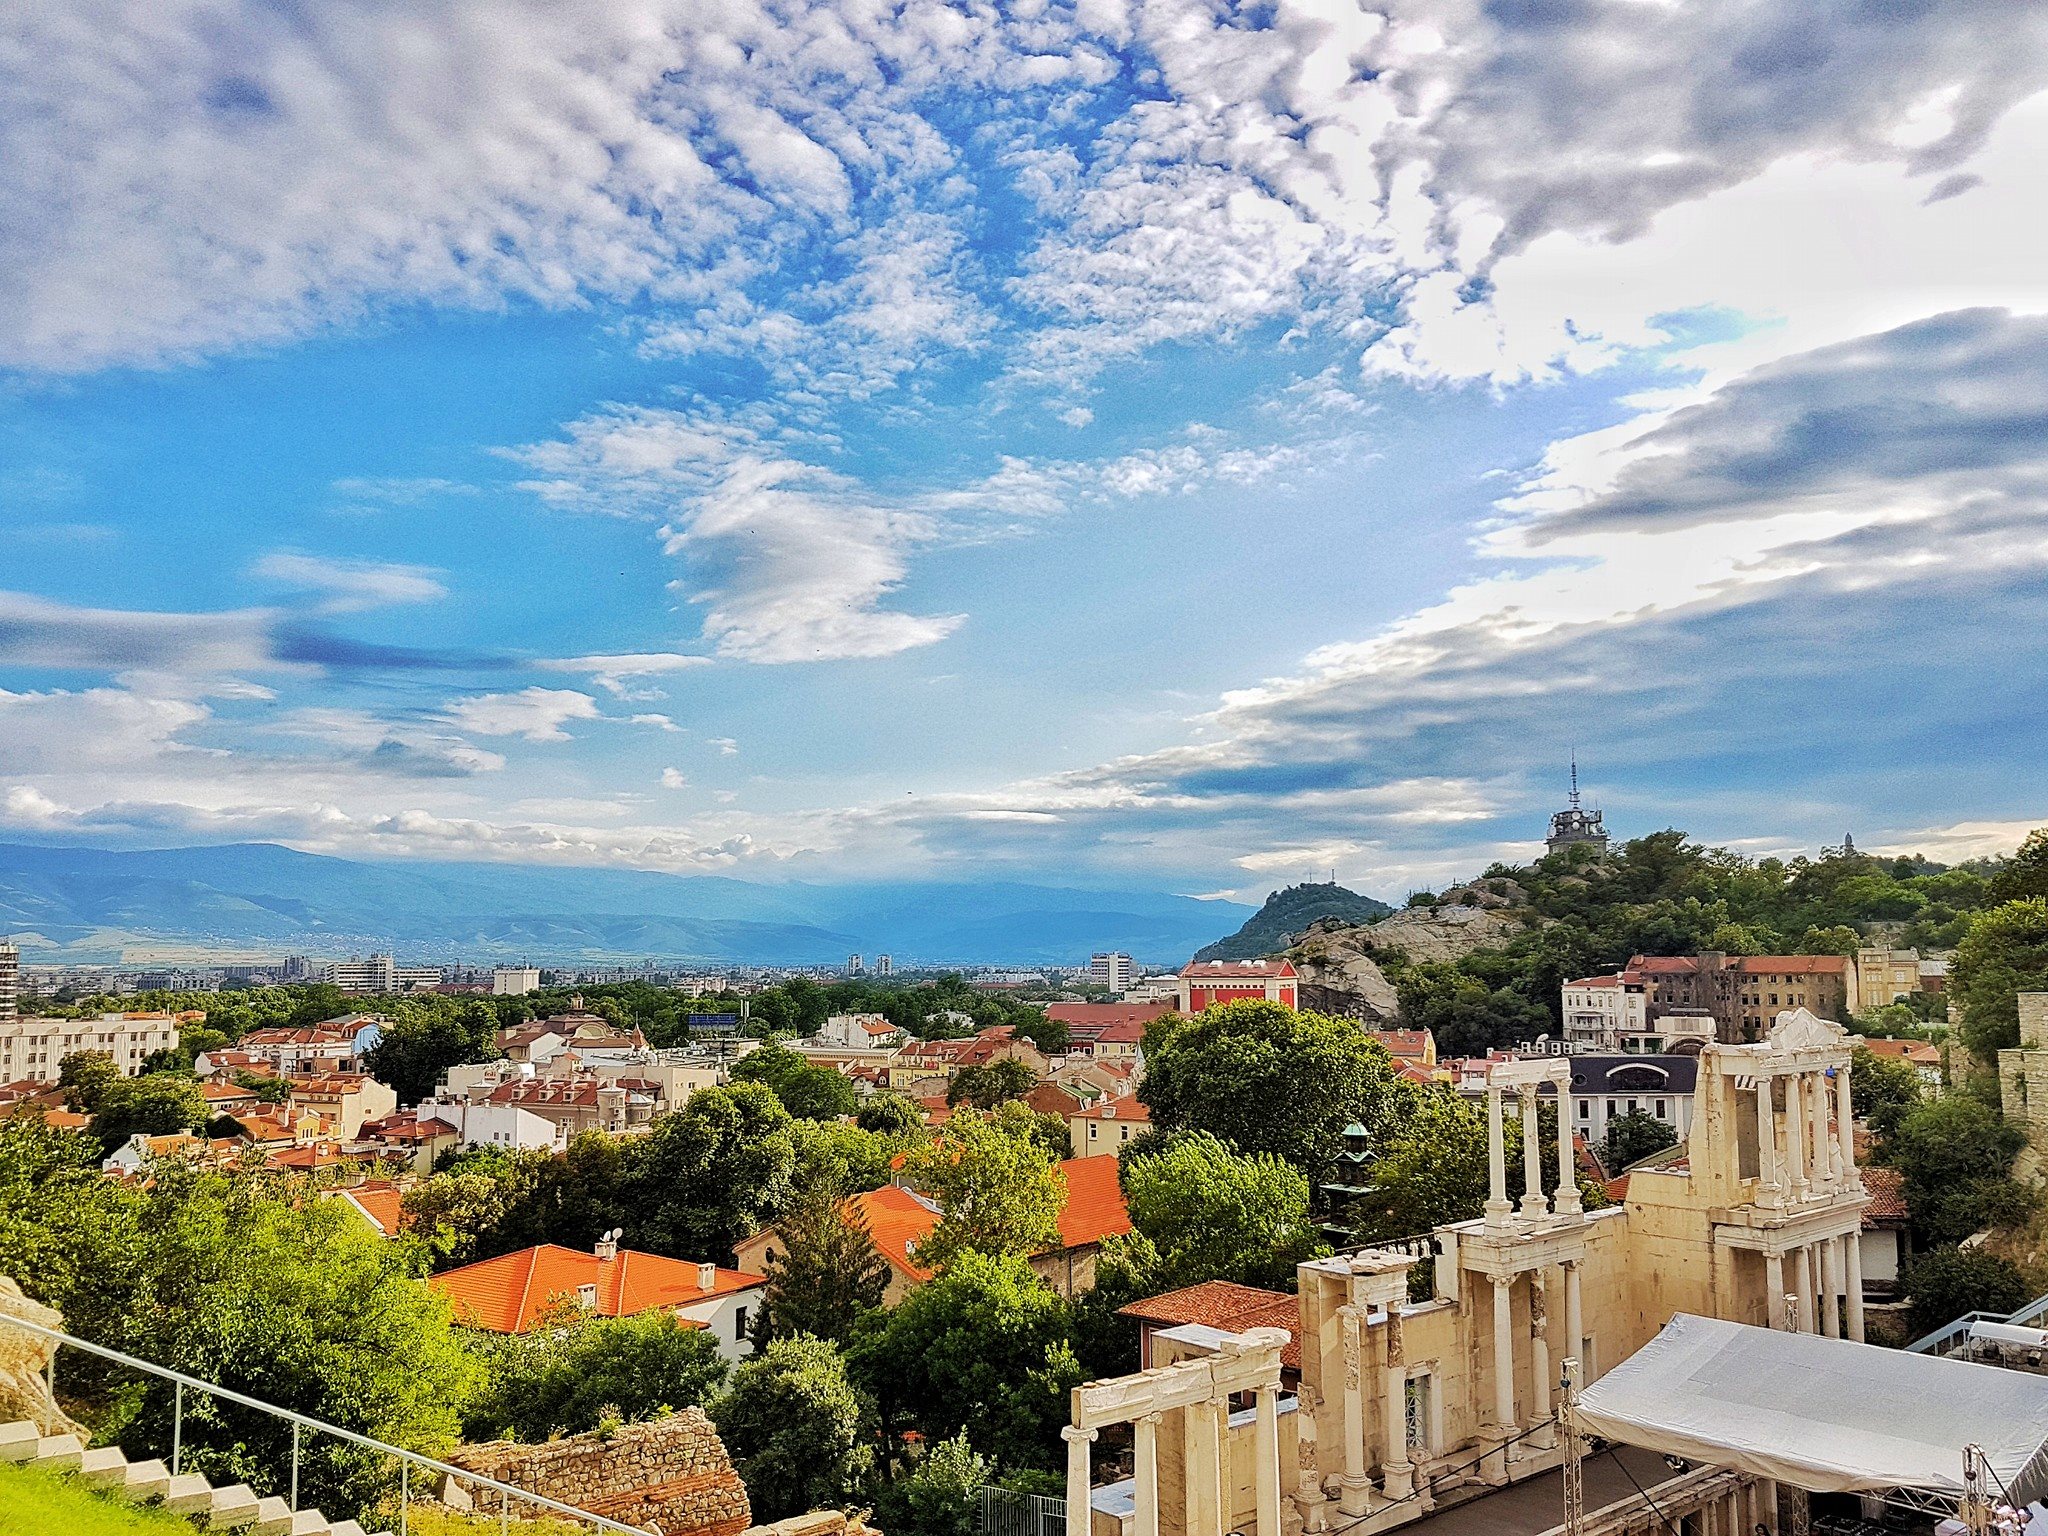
column 1205, row 983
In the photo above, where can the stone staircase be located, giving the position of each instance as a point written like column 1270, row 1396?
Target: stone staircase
column 233, row 1508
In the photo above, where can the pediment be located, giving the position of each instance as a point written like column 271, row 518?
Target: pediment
column 1799, row 1029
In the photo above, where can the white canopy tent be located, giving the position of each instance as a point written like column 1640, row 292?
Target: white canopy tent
column 1826, row 1415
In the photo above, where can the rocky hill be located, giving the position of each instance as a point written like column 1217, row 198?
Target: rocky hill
column 1289, row 912
column 1343, row 966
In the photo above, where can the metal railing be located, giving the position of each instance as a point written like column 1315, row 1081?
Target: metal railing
column 1939, row 1341
column 301, row 1422
column 1006, row 1512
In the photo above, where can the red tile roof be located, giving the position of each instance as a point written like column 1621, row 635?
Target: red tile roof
column 1088, row 1021
column 1051, row 1099
column 1124, row 1107
column 1887, row 1189
column 898, row 1221
column 1211, row 970
column 383, row 1204
column 1596, row 981
column 1226, row 1305
column 1403, row 1042
column 515, row 1291
column 1795, row 965
column 1920, row 1052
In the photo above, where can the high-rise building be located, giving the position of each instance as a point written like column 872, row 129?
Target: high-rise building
column 1112, row 969
column 883, row 965
column 378, row 975
column 514, row 980
column 10, row 980
column 853, row 965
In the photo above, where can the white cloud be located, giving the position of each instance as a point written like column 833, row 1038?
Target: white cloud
column 350, row 585
column 537, row 714
column 727, row 747
column 657, row 722
column 616, row 674
column 672, row 778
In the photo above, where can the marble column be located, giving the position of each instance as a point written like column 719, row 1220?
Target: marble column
column 1266, row 1455
column 1145, row 1490
column 1830, row 1308
column 1544, row 1431
column 1354, row 1491
column 1534, row 1206
column 1575, row 1321
column 1397, row 1471
column 1845, row 1123
column 1504, row 1354
column 1769, row 1188
column 1795, row 1132
column 1498, row 1207
column 1824, row 1173
column 1566, row 1201
column 1774, row 1290
column 1802, row 1282
column 1080, row 1477
column 1852, row 1283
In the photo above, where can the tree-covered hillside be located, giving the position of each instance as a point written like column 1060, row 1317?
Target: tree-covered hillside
column 1286, row 913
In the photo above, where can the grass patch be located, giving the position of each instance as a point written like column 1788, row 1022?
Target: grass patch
column 34, row 1502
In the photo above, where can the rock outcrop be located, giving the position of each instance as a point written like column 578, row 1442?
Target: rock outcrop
column 671, row 1473
column 1341, row 964
column 25, row 1367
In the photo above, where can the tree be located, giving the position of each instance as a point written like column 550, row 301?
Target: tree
column 984, row 1087
column 806, row 1091
column 1633, row 1137
column 1265, row 1078
column 415, row 1050
column 1431, row 1170
column 155, row 1104
column 2025, row 874
column 2004, row 954
column 828, row 1274
column 792, row 1423
column 983, row 1348
column 1882, row 1089
column 711, row 1173
column 451, row 1212
column 889, row 1114
column 85, row 1077
column 560, row 1379
column 1465, row 1013
column 1213, row 1214
column 1955, row 1155
column 940, row 1495
column 997, row 1188
column 1944, row 1284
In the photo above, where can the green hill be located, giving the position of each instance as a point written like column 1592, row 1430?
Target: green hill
column 1286, row 913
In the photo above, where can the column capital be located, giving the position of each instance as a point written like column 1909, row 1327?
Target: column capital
column 1074, row 1435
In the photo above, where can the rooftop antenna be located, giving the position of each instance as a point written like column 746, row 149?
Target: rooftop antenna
column 1575, row 778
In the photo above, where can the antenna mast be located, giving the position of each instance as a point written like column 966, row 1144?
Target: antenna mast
column 1575, row 779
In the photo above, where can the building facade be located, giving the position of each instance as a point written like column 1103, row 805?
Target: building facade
column 1207, row 983
column 378, row 976
column 1114, row 970
column 33, row 1049
column 1879, row 976
column 10, row 982
column 1575, row 825
column 514, row 980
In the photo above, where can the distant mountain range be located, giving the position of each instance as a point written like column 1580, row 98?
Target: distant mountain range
column 1286, row 913
column 89, row 904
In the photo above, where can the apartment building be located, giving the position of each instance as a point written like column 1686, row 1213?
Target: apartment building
column 32, row 1049
column 10, row 982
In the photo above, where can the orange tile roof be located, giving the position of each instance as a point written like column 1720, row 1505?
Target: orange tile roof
column 1209, row 970
column 1887, row 1189
column 1402, row 1042
column 515, row 1291
column 381, row 1203
column 1051, row 1099
column 1920, row 1052
column 1226, row 1305
column 1127, row 1107
column 1089, row 1021
column 898, row 1221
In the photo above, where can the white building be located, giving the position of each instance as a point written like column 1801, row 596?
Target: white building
column 884, row 965
column 1612, row 1013
column 859, row 1031
column 1114, row 970
column 378, row 975
column 514, row 980
column 10, row 981
column 1604, row 1088
column 506, row 1126
column 33, row 1049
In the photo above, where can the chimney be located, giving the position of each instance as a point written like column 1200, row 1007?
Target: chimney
column 607, row 1248
column 707, row 1276
column 586, row 1297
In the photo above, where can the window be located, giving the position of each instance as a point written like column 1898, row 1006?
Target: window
column 1585, row 1109
column 1418, row 1406
column 739, row 1323
column 1660, row 1109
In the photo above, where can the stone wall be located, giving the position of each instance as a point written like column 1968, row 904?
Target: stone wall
column 25, row 1365
column 672, row 1473
column 2023, row 1084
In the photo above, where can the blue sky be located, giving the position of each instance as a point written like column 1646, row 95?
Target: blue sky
column 1138, row 443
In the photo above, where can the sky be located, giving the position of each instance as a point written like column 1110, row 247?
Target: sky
column 1123, row 442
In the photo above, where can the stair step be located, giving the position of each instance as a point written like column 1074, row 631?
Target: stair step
column 102, row 1465
column 232, row 1506
column 274, row 1517
column 142, row 1480
column 58, row 1452
column 18, row 1440
column 346, row 1528
column 187, row 1494
column 310, row 1522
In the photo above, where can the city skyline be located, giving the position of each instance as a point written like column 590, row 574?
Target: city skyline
column 1114, row 444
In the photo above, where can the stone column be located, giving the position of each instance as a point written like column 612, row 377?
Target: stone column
column 1534, row 1206
column 1824, row 1173
column 1795, row 1132
column 1566, row 1201
column 1498, row 1207
column 1802, row 1282
column 1830, row 1309
column 1845, row 1123
column 1504, row 1354
column 1222, row 1483
column 1354, row 1492
column 1543, row 1434
column 1080, row 1477
column 1145, row 1492
column 1774, row 1290
column 1852, row 1283
column 1575, row 1321
column 1398, row 1471
column 1266, row 1456
column 1768, row 1185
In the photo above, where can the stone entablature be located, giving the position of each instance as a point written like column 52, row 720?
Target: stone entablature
column 671, row 1472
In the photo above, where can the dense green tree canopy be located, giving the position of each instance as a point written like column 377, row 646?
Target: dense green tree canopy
column 1264, row 1078
column 826, row 1274
column 2004, row 953
column 1944, row 1284
column 1882, row 1089
column 1632, row 1137
column 155, row 1104
column 997, row 1187
column 563, row 1379
column 1956, row 1156
column 792, row 1423
column 1213, row 1214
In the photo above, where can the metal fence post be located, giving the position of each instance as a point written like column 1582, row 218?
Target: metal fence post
column 295, row 1466
column 178, row 1429
column 404, row 1498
